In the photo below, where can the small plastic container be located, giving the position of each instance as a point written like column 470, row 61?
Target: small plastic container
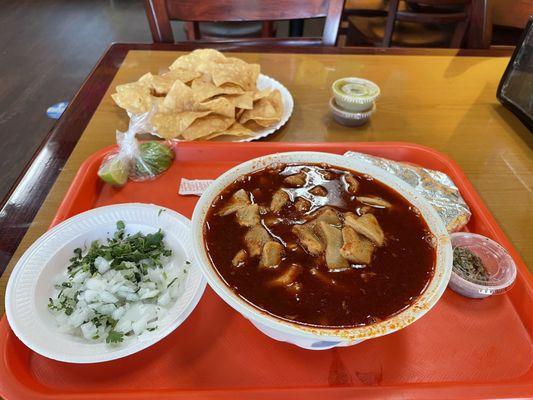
column 348, row 118
column 355, row 94
column 500, row 267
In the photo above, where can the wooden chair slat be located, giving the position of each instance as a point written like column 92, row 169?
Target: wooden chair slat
column 161, row 12
column 471, row 19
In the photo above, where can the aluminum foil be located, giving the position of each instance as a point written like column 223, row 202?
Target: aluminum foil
column 435, row 186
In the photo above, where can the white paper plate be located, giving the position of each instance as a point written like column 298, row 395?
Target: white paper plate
column 31, row 283
column 264, row 82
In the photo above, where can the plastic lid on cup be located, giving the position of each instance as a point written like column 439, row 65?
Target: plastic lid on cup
column 355, row 94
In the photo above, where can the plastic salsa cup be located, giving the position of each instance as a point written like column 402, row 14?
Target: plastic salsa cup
column 349, row 118
column 499, row 267
column 355, row 94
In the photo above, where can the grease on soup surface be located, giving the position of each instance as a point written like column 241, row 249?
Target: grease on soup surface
column 319, row 245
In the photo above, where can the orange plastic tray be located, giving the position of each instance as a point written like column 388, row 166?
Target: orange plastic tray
column 462, row 348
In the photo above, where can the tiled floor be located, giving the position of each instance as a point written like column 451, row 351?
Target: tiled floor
column 47, row 48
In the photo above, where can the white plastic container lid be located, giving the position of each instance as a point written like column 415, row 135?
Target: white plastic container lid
column 355, row 94
column 499, row 266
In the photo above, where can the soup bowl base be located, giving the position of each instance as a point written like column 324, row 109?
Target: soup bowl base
column 303, row 342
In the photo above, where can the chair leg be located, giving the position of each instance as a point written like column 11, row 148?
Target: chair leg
column 459, row 34
column 267, row 31
column 192, row 30
column 391, row 20
column 159, row 22
column 355, row 38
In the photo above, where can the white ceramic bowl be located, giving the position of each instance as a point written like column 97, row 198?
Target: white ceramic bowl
column 31, row 282
column 312, row 337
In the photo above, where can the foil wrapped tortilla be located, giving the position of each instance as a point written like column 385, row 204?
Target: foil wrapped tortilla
column 435, row 186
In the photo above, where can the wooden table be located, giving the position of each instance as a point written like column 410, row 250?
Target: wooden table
column 444, row 99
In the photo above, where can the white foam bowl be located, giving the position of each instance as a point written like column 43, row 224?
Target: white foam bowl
column 312, row 337
column 31, row 282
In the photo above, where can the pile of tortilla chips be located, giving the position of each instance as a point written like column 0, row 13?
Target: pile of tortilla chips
column 204, row 95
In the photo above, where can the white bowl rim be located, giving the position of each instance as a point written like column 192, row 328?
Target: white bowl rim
column 432, row 293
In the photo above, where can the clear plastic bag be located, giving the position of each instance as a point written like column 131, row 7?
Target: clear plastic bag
column 135, row 160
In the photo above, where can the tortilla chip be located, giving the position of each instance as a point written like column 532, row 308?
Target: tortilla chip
column 243, row 101
column 178, row 99
column 220, row 106
column 201, row 60
column 266, row 111
column 253, row 126
column 205, row 90
column 159, row 85
column 183, row 75
column 133, row 97
column 262, row 93
column 234, row 130
column 266, row 122
column 238, row 112
column 230, row 60
column 171, row 126
column 275, row 99
column 206, row 126
column 146, row 79
column 238, row 73
column 188, row 61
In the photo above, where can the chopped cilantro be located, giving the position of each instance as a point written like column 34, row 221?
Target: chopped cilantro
column 131, row 254
column 114, row 337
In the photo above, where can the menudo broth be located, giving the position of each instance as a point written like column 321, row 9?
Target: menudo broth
column 319, row 245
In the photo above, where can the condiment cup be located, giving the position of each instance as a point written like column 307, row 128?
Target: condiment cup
column 348, row 118
column 355, row 94
column 499, row 265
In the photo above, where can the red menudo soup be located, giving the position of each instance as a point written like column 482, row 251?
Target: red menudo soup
column 319, row 245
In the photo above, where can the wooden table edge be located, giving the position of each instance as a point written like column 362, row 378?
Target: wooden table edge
column 22, row 203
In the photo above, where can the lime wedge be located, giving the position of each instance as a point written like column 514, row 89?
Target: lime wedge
column 115, row 171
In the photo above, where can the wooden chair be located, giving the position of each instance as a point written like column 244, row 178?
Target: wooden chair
column 419, row 23
column 229, row 30
column 161, row 12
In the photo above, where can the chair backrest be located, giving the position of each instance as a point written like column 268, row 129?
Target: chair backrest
column 161, row 12
column 431, row 12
